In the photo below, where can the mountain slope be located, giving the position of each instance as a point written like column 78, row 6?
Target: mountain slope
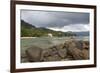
column 28, row 30
column 26, row 25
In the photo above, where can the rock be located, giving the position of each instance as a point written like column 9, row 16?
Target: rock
column 59, row 46
column 53, row 58
column 54, row 53
column 34, row 54
column 69, row 57
column 47, row 53
column 71, row 44
column 85, row 45
column 50, row 51
column 24, row 60
column 65, row 59
column 78, row 49
column 75, row 49
column 54, row 50
column 85, row 54
column 66, row 44
column 61, row 50
column 75, row 53
column 79, row 44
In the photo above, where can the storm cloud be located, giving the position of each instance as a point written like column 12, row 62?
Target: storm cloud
column 56, row 19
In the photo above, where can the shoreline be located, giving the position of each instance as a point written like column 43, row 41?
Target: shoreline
column 28, row 37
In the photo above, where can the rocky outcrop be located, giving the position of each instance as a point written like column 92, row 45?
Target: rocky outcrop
column 86, row 45
column 62, row 50
column 85, row 54
column 70, row 50
column 77, row 49
column 55, row 53
column 34, row 54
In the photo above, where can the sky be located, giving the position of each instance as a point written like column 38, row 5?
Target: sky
column 57, row 20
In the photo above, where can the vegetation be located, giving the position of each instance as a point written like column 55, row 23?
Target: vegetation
column 28, row 30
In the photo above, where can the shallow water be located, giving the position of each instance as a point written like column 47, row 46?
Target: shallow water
column 44, row 42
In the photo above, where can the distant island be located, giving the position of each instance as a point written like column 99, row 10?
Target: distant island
column 29, row 30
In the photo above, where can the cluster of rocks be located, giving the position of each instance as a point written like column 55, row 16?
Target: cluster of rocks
column 70, row 50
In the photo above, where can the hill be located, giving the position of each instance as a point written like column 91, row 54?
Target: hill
column 26, row 25
column 29, row 30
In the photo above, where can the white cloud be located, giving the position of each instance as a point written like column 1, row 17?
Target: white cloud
column 72, row 27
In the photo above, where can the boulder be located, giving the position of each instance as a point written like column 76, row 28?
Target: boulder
column 54, row 50
column 75, row 53
column 34, row 54
column 75, row 49
column 59, row 46
column 54, row 53
column 79, row 44
column 46, row 53
column 66, row 44
column 52, row 58
column 85, row 54
column 86, row 45
column 61, row 50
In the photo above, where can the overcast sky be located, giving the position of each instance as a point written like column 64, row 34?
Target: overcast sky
column 59, row 21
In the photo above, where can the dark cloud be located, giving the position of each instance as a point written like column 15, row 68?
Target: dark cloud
column 54, row 19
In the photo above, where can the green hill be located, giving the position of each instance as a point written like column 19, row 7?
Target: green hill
column 28, row 30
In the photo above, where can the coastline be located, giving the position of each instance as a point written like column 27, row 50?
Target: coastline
column 27, row 37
